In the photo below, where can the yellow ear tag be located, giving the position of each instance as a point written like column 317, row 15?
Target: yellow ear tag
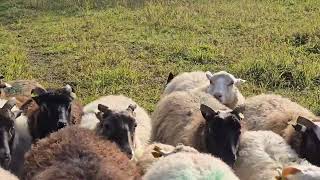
column 34, row 95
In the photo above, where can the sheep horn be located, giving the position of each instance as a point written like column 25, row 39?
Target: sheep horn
column 9, row 104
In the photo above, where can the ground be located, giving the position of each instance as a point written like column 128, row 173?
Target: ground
column 130, row 46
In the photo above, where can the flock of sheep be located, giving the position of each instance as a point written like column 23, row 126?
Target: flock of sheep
column 202, row 128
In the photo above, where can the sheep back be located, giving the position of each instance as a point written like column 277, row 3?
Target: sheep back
column 177, row 118
column 262, row 154
column 186, row 165
column 146, row 159
column 60, row 153
column 273, row 112
column 187, row 81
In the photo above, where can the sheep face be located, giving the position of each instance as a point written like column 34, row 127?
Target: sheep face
column 7, row 132
column 118, row 127
column 223, row 86
column 54, row 110
column 310, row 133
column 222, row 133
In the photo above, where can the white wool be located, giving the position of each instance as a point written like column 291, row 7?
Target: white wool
column 187, row 81
column 145, row 159
column 119, row 103
column 191, row 166
column 223, row 86
column 262, row 154
column 6, row 175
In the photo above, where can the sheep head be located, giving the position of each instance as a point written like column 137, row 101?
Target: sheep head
column 223, row 86
column 222, row 132
column 310, row 134
column 54, row 109
column 118, row 126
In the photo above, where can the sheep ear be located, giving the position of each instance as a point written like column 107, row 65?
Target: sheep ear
column 37, row 91
column 239, row 81
column 170, row 77
column 305, row 122
column 9, row 104
column 209, row 75
column 69, row 89
column 103, row 108
column 131, row 107
column 207, row 112
column 99, row 116
column 17, row 113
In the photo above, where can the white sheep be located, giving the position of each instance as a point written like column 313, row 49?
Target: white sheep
column 196, row 119
column 221, row 85
column 262, row 154
column 6, row 175
column 187, row 81
column 288, row 119
column 191, row 166
column 148, row 157
column 119, row 103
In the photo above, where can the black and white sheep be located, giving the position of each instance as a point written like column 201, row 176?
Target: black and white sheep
column 77, row 153
column 15, row 139
column 262, row 154
column 296, row 124
column 51, row 110
column 117, row 111
column 221, row 85
column 197, row 119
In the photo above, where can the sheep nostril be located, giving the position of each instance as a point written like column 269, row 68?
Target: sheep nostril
column 218, row 96
column 61, row 124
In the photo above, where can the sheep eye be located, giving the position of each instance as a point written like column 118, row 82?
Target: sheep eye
column 230, row 84
column 106, row 126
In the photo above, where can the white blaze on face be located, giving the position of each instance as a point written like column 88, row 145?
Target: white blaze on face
column 62, row 114
column 130, row 140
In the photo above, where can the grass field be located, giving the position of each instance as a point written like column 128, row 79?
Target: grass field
column 129, row 47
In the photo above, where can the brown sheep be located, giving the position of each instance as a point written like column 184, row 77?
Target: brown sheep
column 51, row 110
column 77, row 153
column 20, row 89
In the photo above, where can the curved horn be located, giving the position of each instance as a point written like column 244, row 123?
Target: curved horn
column 9, row 104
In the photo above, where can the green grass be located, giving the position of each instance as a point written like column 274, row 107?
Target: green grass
column 129, row 47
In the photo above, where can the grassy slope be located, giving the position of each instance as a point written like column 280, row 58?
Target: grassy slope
column 130, row 48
